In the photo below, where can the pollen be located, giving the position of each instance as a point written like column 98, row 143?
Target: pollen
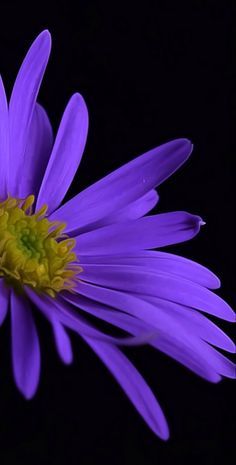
column 34, row 251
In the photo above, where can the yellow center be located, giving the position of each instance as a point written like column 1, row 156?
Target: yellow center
column 33, row 250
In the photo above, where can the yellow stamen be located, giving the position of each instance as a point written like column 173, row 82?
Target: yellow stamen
column 34, row 251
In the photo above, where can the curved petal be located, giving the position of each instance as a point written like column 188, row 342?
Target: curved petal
column 64, row 313
column 163, row 342
column 4, row 142
column 4, row 301
column 66, row 154
column 161, row 318
column 193, row 322
column 123, row 186
column 63, row 343
column 189, row 359
column 153, row 261
column 136, row 209
column 162, row 315
column 25, row 346
column 225, row 366
column 143, row 233
column 162, row 285
column 22, row 104
column 37, row 152
column 132, row 211
column 133, row 384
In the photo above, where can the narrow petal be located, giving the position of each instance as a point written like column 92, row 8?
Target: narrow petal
column 66, row 155
column 165, row 343
column 169, row 327
column 196, row 323
column 157, row 262
column 132, row 211
column 225, row 366
column 22, row 104
column 192, row 352
column 60, row 310
column 25, row 346
column 133, row 384
column 143, row 233
column 162, row 285
column 37, row 152
column 138, row 208
column 4, row 141
column 4, row 301
column 193, row 322
column 63, row 343
column 188, row 358
column 123, row 186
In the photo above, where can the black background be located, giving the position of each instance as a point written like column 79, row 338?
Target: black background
column 149, row 72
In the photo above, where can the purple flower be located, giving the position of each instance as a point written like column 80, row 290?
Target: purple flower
column 91, row 255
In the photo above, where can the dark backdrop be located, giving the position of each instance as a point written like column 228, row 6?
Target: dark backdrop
column 149, row 72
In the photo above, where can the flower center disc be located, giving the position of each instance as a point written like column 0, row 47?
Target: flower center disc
column 33, row 250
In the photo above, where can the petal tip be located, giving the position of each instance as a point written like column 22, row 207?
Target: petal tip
column 189, row 147
column 184, row 142
column 68, row 360
column 43, row 40
column 44, row 35
column 78, row 99
column 194, row 221
column 27, row 391
column 165, row 434
column 199, row 222
column 29, row 395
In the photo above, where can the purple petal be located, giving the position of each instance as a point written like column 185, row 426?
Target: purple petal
column 143, row 233
column 132, row 211
column 169, row 327
column 196, row 323
column 225, row 366
column 190, row 320
column 188, row 358
column 162, row 285
column 58, row 309
column 133, row 384
column 158, row 317
column 22, row 104
column 38, row 149
column 157, row 262
column 66, row 155
column 25, row 346
column 136, row 209
column 123, row 186
column 63, row 343
column 4, row 300
column 165, row 343
column 4, row 142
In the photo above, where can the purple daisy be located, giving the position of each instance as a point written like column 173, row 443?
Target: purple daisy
column 91, row 256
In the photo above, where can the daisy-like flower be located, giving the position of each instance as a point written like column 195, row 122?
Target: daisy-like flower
column 92, row 254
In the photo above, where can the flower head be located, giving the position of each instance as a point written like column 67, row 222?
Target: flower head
column 94, row 252
column 33, row 249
